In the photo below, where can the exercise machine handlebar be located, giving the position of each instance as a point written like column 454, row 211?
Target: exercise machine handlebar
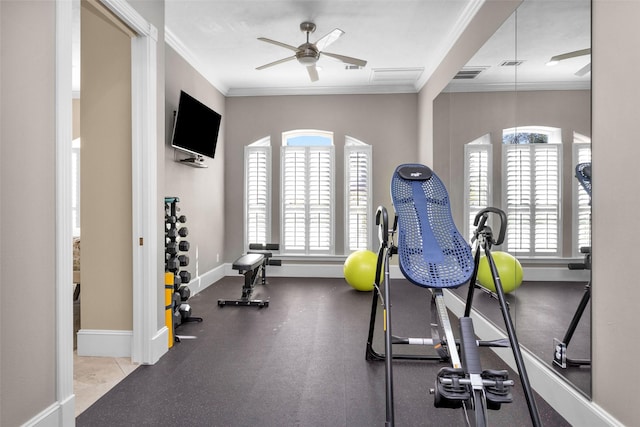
column 482, row 229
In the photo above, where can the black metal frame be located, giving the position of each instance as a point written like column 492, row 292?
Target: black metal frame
column 251, row 273
column 481, row 389
column 560, row 358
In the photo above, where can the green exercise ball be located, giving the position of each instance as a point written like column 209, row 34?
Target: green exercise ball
column 360, row 270
column 509, row 270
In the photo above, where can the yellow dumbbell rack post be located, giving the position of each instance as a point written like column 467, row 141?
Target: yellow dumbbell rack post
column 168, row 304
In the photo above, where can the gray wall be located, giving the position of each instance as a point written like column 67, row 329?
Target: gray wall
column 201, row 191
column 388, row 123
column 615, row 204
column 27, row 210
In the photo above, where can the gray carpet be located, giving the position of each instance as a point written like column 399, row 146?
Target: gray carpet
column 298, row 362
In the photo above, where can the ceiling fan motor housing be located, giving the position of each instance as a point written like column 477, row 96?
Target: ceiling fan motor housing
column 307, row 54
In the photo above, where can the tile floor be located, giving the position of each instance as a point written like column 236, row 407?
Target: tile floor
column 94, row 376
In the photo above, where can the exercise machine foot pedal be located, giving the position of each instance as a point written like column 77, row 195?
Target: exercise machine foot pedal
column 559, row 353
column 449, row 392
column 499, row 392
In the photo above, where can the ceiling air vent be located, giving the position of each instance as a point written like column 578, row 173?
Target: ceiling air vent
column 510, row 63
column 468, row 73
column 395, row 75
column 353, row 67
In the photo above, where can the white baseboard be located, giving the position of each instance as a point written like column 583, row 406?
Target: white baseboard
column 555, row 274
column 104, row 343
column 205, row 280
column 335, row 270
column 565, row 399
column 159, row 345
column 60, row 414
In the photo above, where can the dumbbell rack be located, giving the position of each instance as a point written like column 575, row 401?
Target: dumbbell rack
column 176, row 279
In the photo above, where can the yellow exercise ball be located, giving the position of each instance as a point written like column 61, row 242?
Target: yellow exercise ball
column 509, row 270
column 360, row 270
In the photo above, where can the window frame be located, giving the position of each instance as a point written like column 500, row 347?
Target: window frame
column 261, row 146
column 554, row 143
column 351, row 146
column 284, row 210
column 480, row 145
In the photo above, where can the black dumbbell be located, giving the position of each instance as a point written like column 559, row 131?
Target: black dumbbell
column 172, row 264
column 170, row 219
column 172, row 248
column 185, row 311
column 172, row 232
column 184, row 260
column 184, row 292
column 176, row 299
column 185, row 276
column 182, row 219
column 177, row 318
column 183, row 231
column 183, row 246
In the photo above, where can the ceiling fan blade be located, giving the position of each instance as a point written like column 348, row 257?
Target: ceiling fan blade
column 326, row 40
column 279, row 61
column 313, row 73
column 346, row 59
column 555, row 59
column 277, row 43
column 584, row 70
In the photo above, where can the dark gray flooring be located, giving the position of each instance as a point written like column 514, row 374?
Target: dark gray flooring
column 298, row 362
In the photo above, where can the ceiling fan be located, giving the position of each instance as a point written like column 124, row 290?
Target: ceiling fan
column 308, row 53
column 582, row 52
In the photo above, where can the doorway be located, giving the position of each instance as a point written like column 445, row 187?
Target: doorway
column 147, row 340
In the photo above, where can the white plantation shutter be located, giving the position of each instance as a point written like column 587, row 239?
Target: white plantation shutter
column 320, row 198
column 547, row 199
column 357, row 201
column 307, row 199
column 582, row 201
column 531, row 194
column 294, row 197
column 478, row 185
column 257, row 194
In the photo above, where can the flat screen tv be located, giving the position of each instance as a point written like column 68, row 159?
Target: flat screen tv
column 196, row 127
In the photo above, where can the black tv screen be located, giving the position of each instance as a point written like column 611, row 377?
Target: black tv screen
column 196, row 127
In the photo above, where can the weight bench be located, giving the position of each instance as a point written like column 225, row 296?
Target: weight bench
column 265, row 250
column 253, row 265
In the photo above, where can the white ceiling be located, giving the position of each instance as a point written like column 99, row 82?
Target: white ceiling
column 401, row 40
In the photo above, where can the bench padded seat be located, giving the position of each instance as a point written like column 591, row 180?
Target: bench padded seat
column 248, row 262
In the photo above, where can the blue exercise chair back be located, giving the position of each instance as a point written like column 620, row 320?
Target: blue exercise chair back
column 431, row 251
column 583, row 173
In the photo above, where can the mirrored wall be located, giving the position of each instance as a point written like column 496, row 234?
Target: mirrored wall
column 512, row 127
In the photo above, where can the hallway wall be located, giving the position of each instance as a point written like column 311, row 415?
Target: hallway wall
column 27, row 210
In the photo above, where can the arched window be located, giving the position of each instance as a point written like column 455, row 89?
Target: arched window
column 307, row 192
column 531, row 171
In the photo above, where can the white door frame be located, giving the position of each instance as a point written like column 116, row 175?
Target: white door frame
column 148, row 342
